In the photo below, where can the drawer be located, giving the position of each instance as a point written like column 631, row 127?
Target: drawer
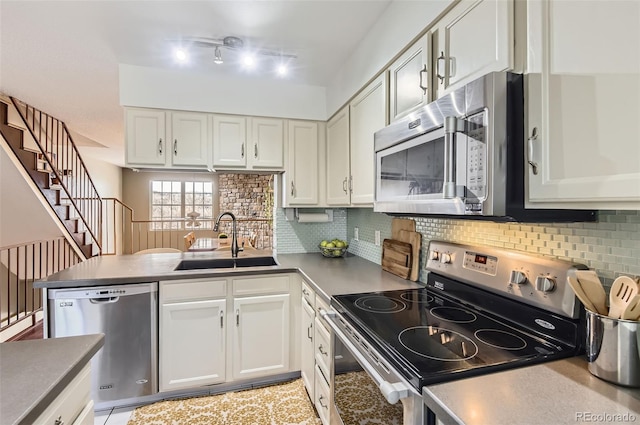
column 308, row 294
column 321, row 305
column 71, row 402
column 192, row 289
column 322, row 341
column 258, row 285
column 323, row 397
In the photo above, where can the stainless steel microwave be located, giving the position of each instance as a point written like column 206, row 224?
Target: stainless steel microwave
column 461, row 155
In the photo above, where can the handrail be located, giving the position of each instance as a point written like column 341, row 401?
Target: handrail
column 60, row 137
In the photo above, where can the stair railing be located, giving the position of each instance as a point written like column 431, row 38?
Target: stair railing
column 61, row 159
column 118, row 222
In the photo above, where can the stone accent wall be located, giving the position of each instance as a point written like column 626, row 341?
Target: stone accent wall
column 250, row 198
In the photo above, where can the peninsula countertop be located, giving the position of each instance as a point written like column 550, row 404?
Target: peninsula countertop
column 34, row 372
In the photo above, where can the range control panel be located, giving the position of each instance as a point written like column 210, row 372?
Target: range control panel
column 532, row 279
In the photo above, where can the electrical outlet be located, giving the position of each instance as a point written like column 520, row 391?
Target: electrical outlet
column 377, row 237
column 356, row 234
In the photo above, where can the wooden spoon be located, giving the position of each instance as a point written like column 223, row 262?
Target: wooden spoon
column 622, row 291
column 593, row 289
column 577, row 289
column 632, row 312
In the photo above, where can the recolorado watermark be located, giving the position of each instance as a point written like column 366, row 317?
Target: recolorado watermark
column 605, row 417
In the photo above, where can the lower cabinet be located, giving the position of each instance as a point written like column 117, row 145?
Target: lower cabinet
column 192, row 333
column 307, row 356
column 73, row 405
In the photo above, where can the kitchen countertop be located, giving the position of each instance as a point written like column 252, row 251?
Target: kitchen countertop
column 34, row 372
column 560, row 392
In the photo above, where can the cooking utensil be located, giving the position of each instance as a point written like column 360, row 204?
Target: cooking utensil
column 396, row 257
column 415, row 239
column 632, row 311
column 623, row 289
column 577, row 289
column 398, row 224
column 593, row 289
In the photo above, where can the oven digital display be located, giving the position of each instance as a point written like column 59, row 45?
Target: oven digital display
column 480, row 263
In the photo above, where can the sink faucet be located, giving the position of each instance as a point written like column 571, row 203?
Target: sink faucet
column 234, row 239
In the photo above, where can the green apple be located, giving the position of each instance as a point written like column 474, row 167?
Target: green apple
column 324, row 243
column 340, row 244
column 330, row 245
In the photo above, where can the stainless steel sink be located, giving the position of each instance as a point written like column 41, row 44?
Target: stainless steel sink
column 226, row 263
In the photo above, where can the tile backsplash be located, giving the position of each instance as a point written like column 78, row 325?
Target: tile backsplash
column 610, row 246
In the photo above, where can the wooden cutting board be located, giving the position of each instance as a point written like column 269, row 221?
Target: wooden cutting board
column 397, row 257
column 415, row 239
column 398, row 224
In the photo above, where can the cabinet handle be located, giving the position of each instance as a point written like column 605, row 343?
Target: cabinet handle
column 344, row 185
column 175, row 146
column 255, row 150
column 292, row 188
column 221, row 319
column 321, row 403
column 423, row 87
column 534, row 136
column 58, row 421
column 440, row 58
column 350, row 184
column 309, row 329
column 322, row 351
column 304, row 291
column 160, row 146
column 242, row 151
column 237, row 317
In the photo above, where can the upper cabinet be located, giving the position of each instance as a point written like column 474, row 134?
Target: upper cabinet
column 583, row 104
column 338, row 162
column 474, row 38
column 157, row 138
column 301, row 177
column 410, row 79
column 267, row 143
column 229, row 141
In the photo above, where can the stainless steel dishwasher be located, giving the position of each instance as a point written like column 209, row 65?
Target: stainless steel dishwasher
column 126, row 366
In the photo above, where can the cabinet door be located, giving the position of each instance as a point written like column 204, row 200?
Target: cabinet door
column 267, row 143
column 473, row 39
column 229, row 141
column 338, row 164
column 584, row 107
column 301, row 176
column 410, row 79
column 368, row 112
column 192, row 344
column 260, row 336
column 307, row 360
column 146, row 141
column 189, row 139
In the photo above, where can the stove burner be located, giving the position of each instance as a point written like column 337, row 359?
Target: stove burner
column 500, row 339
column 380, row 304
column 417, row 297
column 438, row 343
column 453, row 314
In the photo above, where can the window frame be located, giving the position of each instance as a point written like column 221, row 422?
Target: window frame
column 156, row 223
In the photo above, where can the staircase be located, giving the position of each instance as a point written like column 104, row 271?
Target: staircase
column 44, row 147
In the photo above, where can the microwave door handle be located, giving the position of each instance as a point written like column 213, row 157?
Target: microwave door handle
column 451, row 127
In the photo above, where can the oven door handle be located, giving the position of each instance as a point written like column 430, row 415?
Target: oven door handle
column 392, row 392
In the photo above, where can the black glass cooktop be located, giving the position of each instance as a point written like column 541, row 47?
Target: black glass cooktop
column 432, row 338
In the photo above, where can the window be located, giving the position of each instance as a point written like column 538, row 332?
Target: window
column 171, row 201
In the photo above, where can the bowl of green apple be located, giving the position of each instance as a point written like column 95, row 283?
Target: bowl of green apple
column 334, row 248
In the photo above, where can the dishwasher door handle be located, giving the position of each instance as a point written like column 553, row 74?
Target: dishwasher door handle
column 105, row 300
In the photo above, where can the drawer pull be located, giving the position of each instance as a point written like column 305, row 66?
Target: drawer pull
column 322, row 351
column 321, row 403
column 310, row 332
column 59, row 421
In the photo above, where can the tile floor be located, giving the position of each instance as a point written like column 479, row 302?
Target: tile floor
column 115, row 416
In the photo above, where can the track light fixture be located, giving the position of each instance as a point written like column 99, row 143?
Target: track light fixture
column 218, row 56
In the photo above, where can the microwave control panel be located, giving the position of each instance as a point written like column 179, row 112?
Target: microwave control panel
column 476, row 162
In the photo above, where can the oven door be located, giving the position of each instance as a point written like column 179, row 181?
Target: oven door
column 365, row 389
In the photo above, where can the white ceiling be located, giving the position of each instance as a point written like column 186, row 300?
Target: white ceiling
column 62, row 56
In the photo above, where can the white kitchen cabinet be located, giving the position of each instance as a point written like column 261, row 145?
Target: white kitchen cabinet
column 338, row 161
column 410, row 79
column 307, row 353
column 161, row 139
column 368, row 112
column 474, row 38
column 301, row 177
column 192, row 346
column 261, row 336
column 583, row 103
column 146, row 137
column 189, row 139
column 267, row 143
column 322, row 398
column 73, row 405
column 229, row 141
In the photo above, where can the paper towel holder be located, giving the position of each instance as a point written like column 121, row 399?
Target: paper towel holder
column 294, row 214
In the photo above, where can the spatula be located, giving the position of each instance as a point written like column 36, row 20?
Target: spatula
column 632, row 312
column 622, row 291
column 593, row 289
column 577, row 289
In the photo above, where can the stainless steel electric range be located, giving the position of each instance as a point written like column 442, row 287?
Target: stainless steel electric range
column 482, row 310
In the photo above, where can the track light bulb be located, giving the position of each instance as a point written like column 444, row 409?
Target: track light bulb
column 218, row 57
